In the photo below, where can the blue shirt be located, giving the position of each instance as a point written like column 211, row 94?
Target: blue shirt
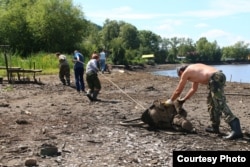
column 102, row 55
column 80, row 60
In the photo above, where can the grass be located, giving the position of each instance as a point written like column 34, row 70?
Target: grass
column 48, row 62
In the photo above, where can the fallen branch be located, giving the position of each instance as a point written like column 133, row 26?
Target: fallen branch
column 230, row 94
column 4, row 105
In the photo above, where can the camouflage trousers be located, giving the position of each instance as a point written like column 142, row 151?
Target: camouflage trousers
column 64, row 73
column 216, row 99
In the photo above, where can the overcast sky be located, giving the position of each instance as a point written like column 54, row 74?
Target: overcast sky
column 226, row 21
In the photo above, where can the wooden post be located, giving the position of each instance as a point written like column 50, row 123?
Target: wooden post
column 6, row 61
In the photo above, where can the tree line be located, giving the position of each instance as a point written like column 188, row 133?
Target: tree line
column 32, row 26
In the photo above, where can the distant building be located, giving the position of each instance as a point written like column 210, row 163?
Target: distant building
column 150, row 59
column 229, row 59
column 181, row 58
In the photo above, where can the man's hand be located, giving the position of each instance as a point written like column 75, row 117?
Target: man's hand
column 168, row 102
column 181, row 100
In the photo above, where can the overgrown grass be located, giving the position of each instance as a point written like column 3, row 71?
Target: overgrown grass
column 48, row 62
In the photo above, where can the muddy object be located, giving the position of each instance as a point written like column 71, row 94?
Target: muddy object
column 173, row 116
column 49, row 150
column 30, row 162
column 159, row 116
column 22, row 121
column 4, row 105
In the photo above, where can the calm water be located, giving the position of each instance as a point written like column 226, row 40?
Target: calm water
column 234, row 73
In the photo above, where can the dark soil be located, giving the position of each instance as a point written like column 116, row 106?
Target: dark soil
column 88, row 134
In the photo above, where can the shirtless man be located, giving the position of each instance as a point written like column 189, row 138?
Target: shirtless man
column 216, row 100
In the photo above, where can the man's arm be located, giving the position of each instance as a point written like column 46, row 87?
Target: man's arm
column 76, row 58
column 191, row 91
column 179, row 89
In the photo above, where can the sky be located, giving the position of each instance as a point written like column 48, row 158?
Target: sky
column 224, row 21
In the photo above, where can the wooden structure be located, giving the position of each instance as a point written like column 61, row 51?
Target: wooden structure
column 150, row 59
column 20, row 72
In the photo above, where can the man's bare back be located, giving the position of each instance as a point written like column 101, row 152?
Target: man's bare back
column 216, row 101
column 199, row 73
column 195, row 73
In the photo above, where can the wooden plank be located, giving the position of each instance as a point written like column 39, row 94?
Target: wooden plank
column 4, row 68
column 25, row 70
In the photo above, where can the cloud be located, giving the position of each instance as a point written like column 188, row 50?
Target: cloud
column 182, row 20
column 223, row 38
column 214, row 9
column 165, row 34
column 169, row 24
column 220, row 8
column 120, row 13
column 201, row 25
column 215, row 33
column 239, row 6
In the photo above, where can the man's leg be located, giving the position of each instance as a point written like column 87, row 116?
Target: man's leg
column 67, row 75
column 61, row 76
column 97, row 87
column 77, row 80
column 214, row 114
column 81, row 80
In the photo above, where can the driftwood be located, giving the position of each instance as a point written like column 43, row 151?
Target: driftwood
column 129, row 67
column 4, row 105
column 237, row 94
column 230, row 94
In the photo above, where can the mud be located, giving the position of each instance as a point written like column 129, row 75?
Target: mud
column 88, row 134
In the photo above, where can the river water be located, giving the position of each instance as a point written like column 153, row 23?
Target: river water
column 234, row 73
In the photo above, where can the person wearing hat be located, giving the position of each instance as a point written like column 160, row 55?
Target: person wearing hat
column 92, row 79
column 64, row 69
column 216, row 100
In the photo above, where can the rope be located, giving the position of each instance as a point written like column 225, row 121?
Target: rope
column 118, row 88
column 123, row 91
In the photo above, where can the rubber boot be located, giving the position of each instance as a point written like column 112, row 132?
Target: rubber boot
column 63, row 82
column 95, row 94
column 89, row 92
column 213, row 129
column 68, row 82
column 236, row 130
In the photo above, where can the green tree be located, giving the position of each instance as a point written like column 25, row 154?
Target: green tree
column 118, row 52
column 172, row 45
column 129, row 36
column 239, row 51
column 186, row 49
column 56, row 25
column 110, row 31
column 208, row 51
column 38, row 25
column 149, row 42
column 14, row 27
column 93, row 41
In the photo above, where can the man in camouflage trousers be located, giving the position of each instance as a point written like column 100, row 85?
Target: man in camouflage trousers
column 215, row 80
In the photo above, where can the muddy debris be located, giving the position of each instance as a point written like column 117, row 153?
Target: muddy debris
column 88, row 134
